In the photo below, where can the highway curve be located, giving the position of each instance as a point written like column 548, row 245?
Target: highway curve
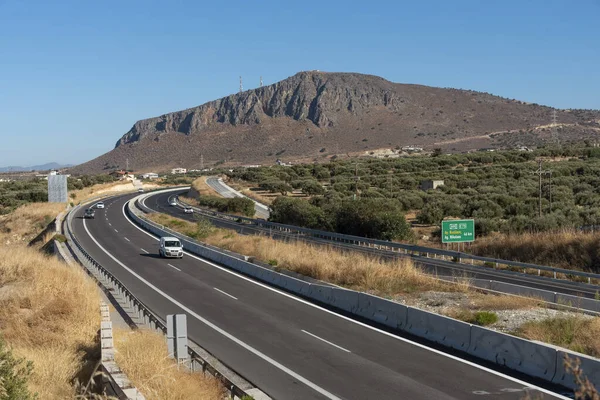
column 160, row 202
column 286, row 346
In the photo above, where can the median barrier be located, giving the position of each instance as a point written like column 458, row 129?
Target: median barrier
column 322, row 294
column 589, row 365
column 381, row 310
column 345, row 299
column 438, row 328
column 518, row 354
column 522, row 291
column 577, row 302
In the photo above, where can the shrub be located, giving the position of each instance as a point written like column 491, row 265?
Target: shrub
column 14, row 375
column 484, row 318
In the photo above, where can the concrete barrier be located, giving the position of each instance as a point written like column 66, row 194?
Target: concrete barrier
column 590, row 368
column 345, row 299
column 382, row 311
column 578, row 302
column 438, row 328
column 522, row 291
column 521, row 355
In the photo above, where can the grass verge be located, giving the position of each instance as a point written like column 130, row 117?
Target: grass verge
column 143, row 356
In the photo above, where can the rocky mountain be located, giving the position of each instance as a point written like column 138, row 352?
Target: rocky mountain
column 313, row 115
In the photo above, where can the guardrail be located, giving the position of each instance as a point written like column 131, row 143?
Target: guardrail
column 143, row 313
column 394, row 246
column 535, row 359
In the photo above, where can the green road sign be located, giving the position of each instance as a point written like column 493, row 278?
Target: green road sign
column 458, row 231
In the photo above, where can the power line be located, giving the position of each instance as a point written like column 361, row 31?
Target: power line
column 540, row 172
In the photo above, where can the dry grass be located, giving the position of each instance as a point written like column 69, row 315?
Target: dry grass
column 27, row 221
column 49, row 315
column 202, row 187
column 143, row 356
column 267, row 200
column 565, row 249
column 78, row 196
column 482, row 301
column 576, row 333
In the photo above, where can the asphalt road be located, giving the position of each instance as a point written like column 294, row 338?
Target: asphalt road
column 261, row 211
column 286, row 346
column 159, row 202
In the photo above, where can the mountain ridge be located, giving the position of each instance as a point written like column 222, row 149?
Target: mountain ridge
column 42, row 167
column 315, row 114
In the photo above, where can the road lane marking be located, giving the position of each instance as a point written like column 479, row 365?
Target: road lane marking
column 109, row 224
column 172, row 266
column 419, row 345
column 128, row 240
column 116, row 231
column 228, row 335
column 326, row 341
column 145, row 251
column 225, row 293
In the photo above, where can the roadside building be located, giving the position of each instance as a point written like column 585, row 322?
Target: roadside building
column 178, row 171
column 431, row 184
column 150, row 175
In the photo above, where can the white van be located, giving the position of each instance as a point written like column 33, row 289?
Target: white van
column 170, row 247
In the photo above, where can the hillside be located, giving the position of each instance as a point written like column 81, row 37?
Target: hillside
column 312, row 115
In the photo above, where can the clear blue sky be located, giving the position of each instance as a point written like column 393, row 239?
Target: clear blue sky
column 75, row 75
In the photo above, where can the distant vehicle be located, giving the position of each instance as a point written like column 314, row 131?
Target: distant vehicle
column 170, row 247
column 172, row 202
column 141, row 190
column 188, row 210
column 99, row 204
column 89, row 213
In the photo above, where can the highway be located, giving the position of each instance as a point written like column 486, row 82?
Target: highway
column 261, row 210
column 284, row 345
column 160, row 203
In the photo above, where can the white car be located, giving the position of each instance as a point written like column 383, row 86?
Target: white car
column 99, row 204
column 170, row 247
column 188, row 210
column 172, row 202
column 141, row 190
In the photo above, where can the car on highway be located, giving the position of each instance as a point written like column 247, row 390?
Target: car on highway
column 172, row 202
column 141, row 190
column 89, row 213
column 188, row 210
column 170, row 247
column 100, row 204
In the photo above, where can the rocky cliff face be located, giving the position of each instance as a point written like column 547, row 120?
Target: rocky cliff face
column 314, row 115
column 307, row 96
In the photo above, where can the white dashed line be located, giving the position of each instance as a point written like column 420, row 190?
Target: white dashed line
column 116, row 231
column 128, row 240
column 225, row 293
column 172, row 266
column 326, row 341
column 145, row 251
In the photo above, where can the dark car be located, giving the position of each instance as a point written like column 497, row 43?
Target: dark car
column 89, row 213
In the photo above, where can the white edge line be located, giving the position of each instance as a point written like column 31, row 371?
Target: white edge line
column 216, row 328
column 225, row 293
column 422, row 346
column 172, row 266
column 326, row 341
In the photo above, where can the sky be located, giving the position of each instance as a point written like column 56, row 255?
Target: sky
column 76, row 75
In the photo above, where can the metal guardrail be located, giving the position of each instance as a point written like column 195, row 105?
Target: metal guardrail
column 393, row 246
column 141, row 311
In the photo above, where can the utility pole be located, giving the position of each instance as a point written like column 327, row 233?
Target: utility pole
column 356, row 181
column 550, row 189
column 127, row 164
column 261, row 82
column 555, row 138
column 241, row 86
column 201, row 161
column 540, row 172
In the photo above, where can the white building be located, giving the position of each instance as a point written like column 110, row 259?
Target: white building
column 431, row 184
column 150, row 175
column 178, row 171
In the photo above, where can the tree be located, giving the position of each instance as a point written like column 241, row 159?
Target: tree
column 312, row 188
column 436, row 152
column 287, row 210
column 14, row 374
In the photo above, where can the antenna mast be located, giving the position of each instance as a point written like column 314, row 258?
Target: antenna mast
column 241, row 87
column 261, row 82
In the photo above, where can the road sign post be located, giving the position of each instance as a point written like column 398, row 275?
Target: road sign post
column 458, row 231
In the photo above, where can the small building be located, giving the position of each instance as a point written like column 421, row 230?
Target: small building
column 120, row 174
column 178, row 171
column 150, row 175
column 431, row 184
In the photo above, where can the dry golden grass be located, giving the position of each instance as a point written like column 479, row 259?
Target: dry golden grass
column 267, row 200
column 78, row 196
column 575, row 333
column 27, row 221
column 49, row 315
column 143, row 356
column 565, row 249
column 482, row 301
column 202, row 187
